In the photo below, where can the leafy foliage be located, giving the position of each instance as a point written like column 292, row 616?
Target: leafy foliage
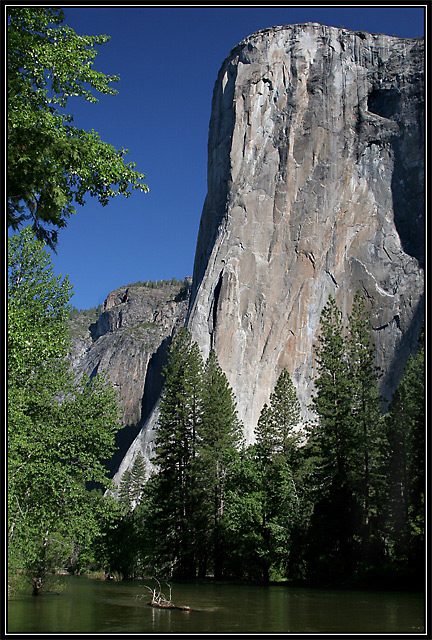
column 58, row 431
column 342, row 503
column 51, row 163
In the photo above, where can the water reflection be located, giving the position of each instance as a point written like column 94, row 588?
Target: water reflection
column 111, row 607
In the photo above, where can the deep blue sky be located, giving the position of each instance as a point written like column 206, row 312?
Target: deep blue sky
column 168, row 59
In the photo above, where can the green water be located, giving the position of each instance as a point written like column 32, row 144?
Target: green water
column 94, row 606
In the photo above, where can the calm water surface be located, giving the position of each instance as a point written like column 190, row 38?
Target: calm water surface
column 93, row 606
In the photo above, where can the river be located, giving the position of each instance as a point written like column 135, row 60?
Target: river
column 86, row 605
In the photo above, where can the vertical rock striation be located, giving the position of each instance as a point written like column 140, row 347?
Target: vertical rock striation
column 315, row 187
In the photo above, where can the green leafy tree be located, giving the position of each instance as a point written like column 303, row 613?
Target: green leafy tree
column 175, row 485
column 58, row 430
column 120, row 548
column 243, row 519
column 51, row 163
column 220, row 438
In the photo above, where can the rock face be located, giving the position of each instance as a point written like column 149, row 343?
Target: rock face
column 129, row 340
column 315, row 187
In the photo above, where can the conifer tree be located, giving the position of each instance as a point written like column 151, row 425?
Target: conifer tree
column 175, row 485
column 406, row 468
column 348, row 439
column 277, row 429
column 333, row 397
column 332, row 439
column 368, row 422
column 278, row 466
column 132, row 483
column 220, row 438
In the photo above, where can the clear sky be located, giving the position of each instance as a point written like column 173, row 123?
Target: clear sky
column 168, row 59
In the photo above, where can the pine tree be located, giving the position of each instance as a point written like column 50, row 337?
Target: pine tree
column 277, row 428
column 406, row 468
column 132, row 483
column 278, row 466
column 349, row 440
column 332, row 401
column 332, row 439
column 220, row 438
column 124, row 491
column 368, row 422
column 176, row 443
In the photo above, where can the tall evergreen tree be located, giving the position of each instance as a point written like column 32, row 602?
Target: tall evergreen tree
column 175, row 485
column 349, row 440
column 332, row 401
column 277, row 430
column 132, row 484
column 333, row 440
column 406, row 469
column 368, row 422
column 220, row 439
column 277, row 474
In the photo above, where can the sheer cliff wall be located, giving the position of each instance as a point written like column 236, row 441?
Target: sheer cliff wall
column 315, row 187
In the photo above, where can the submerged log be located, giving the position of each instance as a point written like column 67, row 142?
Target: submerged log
column 167, row 605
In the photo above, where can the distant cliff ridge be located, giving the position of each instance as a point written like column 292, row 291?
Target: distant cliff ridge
column 315, row 187
column 129, row 340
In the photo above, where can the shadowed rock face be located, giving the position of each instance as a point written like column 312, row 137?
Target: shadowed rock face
column 315, row 187
column 129, row 341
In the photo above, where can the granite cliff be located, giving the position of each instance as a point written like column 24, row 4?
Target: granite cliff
column 315, row 187
column 128, row 339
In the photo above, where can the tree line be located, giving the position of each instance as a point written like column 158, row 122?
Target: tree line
column 340, row 500
column 335, row 501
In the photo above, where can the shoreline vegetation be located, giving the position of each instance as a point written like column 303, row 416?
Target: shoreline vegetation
column 336, row 502
column 52, row 585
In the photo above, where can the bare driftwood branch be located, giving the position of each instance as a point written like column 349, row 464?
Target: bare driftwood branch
column 160, row 600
